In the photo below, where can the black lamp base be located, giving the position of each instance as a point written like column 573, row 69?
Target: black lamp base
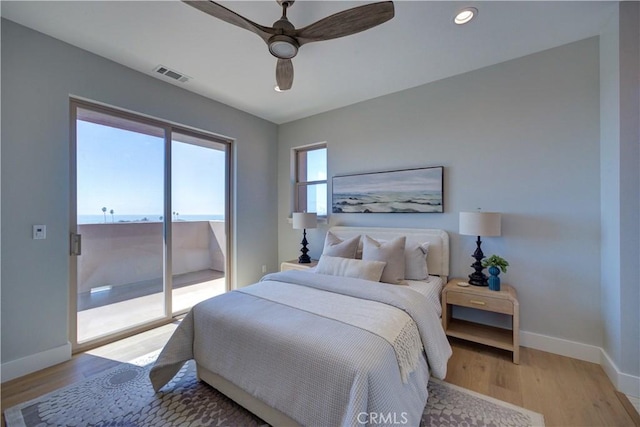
column 304, row 258
column 478, row 278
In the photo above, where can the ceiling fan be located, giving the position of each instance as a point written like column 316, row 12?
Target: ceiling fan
column 284, row 39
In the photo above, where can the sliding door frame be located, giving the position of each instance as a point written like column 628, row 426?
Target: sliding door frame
column 169, row 128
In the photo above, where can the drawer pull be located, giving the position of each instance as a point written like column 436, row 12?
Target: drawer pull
column 476, row 302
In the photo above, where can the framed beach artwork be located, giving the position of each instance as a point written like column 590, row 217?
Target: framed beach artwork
column 401, row 191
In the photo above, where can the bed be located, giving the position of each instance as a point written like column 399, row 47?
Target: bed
column 310, row 348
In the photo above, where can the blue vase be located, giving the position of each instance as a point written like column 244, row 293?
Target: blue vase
column 494, row 280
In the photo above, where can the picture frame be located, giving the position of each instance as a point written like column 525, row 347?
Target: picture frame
column 418, row 190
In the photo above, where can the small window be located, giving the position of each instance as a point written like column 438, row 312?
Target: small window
column 310, row 190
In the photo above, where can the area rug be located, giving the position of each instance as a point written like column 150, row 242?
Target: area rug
column 123, row 397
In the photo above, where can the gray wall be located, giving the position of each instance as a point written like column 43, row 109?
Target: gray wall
column 39, row 74
column 521, row 138
column 630, row 188
column 620, row 154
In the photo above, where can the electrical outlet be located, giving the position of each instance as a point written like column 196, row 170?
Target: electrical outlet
column 264, row 268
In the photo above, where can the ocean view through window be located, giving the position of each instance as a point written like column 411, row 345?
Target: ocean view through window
column 115, row 218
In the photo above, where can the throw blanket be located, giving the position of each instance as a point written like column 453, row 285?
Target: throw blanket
column 317, row 370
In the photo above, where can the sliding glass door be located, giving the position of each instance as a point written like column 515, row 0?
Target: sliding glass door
column 149, row 225
column 198, row 182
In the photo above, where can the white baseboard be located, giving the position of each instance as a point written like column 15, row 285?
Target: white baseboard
column 26, row 365
column 625, row 383
column 576, row 350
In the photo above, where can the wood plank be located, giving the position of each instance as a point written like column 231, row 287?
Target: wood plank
column 568, row 392
column 628, row 406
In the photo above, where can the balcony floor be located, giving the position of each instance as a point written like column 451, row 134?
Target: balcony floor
column 120, row 293
column 133, row 304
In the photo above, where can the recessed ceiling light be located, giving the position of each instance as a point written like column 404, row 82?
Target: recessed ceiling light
column 465, row 15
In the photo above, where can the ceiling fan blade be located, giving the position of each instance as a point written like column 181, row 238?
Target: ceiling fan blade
column 345, row 23
column 284, row 74
column 218, row 11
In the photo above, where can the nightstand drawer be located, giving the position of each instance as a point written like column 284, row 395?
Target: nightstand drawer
column 480, row 302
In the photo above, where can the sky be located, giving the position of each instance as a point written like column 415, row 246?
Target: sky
column 124, row 171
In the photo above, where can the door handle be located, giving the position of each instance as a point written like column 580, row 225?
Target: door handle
column 76, row 244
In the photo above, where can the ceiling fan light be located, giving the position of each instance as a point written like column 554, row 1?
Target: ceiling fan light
column 283, row 47
column 465, row 15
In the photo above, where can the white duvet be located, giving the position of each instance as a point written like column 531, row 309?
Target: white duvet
column 323, row 362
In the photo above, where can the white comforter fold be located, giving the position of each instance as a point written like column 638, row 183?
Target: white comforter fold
column 317, row 369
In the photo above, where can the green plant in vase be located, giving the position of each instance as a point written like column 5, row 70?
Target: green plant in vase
column 495, row 264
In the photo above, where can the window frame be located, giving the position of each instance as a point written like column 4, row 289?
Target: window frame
column 295, row 174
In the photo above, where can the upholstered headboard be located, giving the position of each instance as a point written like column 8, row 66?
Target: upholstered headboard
column 438, row 256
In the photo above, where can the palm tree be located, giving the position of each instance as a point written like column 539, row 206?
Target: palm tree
column 111, row 212
column 104, row 211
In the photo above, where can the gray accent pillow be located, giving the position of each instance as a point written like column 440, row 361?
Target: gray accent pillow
column 391, row 252
column 415, row 261
column 335, row 246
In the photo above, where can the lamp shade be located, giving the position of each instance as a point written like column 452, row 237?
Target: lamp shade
column 302, row 220
column 480, row 223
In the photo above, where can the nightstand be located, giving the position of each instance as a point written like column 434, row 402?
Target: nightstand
column 504, row 301
column 295, row 265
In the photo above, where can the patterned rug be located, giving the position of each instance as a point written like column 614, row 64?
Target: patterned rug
column 123, row 397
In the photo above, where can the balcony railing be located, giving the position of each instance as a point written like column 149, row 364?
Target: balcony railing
column 116, row 254
column 120, row 272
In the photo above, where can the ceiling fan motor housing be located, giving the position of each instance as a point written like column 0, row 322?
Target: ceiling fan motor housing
column 283, row 47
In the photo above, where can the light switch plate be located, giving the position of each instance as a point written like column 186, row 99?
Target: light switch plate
column 39, row 232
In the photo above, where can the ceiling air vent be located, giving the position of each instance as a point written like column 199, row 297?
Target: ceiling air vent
column 173, row 74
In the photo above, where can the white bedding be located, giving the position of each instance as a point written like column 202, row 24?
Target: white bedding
column 280, row 353
column 430, row 289
column 393, row 325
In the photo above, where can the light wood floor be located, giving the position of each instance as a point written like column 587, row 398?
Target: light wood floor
column 568, row 392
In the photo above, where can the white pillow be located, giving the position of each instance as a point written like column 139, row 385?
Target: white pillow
column 391, row 252
column 336, row 247
column 349, row 267
column 415, row 261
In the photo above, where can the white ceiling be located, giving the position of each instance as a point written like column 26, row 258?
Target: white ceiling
column 231, row 65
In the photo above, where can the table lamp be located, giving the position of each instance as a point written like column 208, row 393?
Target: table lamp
column 302, row 221
column 479, row 224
